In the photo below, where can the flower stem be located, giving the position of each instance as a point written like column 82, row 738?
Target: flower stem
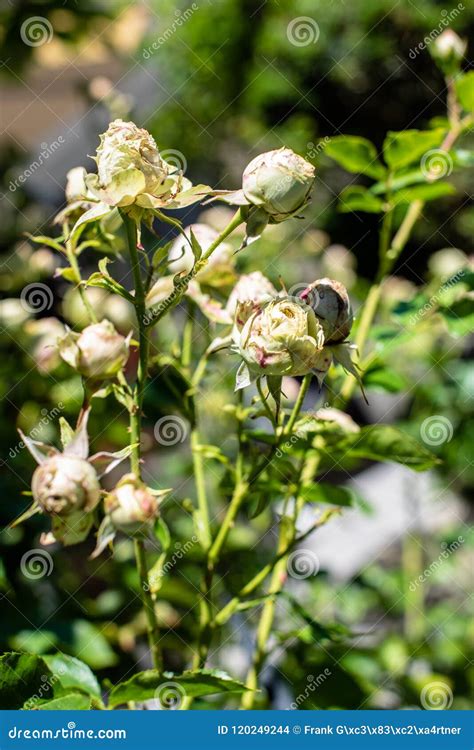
column 180, row 289
column 135, row 432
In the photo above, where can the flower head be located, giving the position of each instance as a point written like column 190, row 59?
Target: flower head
column 131, row 170
column 63, row 484
column 330, row 302
column 131, row 505
column 252, row 291
column 279, row 182
column 283, row 338
column 448, row 50
column 98, row 352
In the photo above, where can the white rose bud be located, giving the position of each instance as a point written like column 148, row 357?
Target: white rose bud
column 131, row 170
column 131, row 505
column 65, row 484
column 76, row 188
column 448, row 50
column 98, row 352
column 279, row 182
column 219, row 270
column 252, row 291
column 284, row 338
column 330, row 302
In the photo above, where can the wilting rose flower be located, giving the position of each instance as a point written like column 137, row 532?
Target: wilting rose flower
column 220, row 268
column 252, row 291
column 448, row 50
column 63, row 484
column 330, row 302
column 96, row 353
column 284, row 338
column 131, row 505
column 279, row 182
column 130, row 170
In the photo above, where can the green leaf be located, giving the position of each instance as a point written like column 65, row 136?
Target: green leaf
column 23, row 676
column 387, row 443
column 42, row 239
column 428, row 192
column 93, row 214
column 319, row 632
column 162, row 533
column 459, row 316
column 73, row 673
column 356, row 154
column 408, row 146
column 151, row 684
column 465, row 90
column 357, row 198
column 195, row 246
column 92, row 645
column 160, row 255
column 70, row 702
column 322, row 492
column 67, row 432
column 380, row 377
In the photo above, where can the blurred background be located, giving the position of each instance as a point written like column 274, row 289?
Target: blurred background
column 217, row 82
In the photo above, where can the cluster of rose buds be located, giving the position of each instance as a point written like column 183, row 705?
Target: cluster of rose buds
column 291, row 335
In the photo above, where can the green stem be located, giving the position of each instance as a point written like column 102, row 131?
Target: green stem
column 71, row 256
column 199, row 478
column 180, row 290
column 286, row 537
column 135, row 433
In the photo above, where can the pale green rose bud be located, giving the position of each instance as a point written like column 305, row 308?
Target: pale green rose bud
column 130, row 170
column 98, row 352
column 250, row 294
column 448, row 50
column 220, row 268
column 284, row 338
column 65, row 484
column 279, row 182
column 330, row 302
column 131, row 505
